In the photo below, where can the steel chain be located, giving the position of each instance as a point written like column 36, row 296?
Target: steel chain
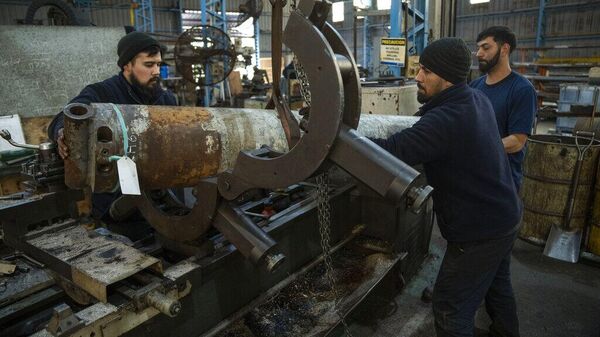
column 304, row 85
column 324, row 218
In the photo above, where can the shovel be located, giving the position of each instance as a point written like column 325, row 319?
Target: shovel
column 564, row 243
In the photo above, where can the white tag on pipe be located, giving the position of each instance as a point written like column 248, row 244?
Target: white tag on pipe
column 128, row 177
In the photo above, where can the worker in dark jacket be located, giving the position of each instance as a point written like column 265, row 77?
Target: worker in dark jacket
column 140, row 57
column 477, row 207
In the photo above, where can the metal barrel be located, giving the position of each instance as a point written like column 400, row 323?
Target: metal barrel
column 548, row 169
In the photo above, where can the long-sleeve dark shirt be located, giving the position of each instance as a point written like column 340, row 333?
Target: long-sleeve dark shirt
column 112, row 90
column 457, row 141
column 118, row 91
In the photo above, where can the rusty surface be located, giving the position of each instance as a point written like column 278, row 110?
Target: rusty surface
column 96, row 261
column 36, row 129
column 76, row 135
column 22, row 284
column 178, row 148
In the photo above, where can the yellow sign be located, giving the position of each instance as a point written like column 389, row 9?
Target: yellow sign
column 392, row 51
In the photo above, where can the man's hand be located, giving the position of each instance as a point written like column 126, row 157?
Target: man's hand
column 63, row 150
column 514, row 143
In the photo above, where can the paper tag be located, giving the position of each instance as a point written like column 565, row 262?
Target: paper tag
column 128, row 177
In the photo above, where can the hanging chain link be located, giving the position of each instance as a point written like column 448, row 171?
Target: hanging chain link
column 324, row 217
column 304, row 85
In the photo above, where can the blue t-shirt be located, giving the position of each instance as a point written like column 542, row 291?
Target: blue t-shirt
column 515, row 103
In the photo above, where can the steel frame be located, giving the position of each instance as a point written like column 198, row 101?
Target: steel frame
column 144, row 16
column 418, row 34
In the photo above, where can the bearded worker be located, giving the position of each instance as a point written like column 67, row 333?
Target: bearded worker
column 513, row 97
column 140, row 58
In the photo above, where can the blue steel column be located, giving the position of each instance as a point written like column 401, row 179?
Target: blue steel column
column 541, row 24
column 257, row 42
column 366, row 46
column 396, row 27
column 144, row 16
column 223, row 26
column 425, row 24
column 420, row 31
column 204, row 21
column 180, row 8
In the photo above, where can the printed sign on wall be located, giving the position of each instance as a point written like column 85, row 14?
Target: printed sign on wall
column 393, row 51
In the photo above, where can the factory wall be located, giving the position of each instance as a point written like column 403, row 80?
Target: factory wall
column 166, row 16
column 568, row 23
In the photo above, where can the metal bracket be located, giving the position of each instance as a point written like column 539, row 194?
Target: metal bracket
column 188, row 227
column 327, row 62
column 63, row 321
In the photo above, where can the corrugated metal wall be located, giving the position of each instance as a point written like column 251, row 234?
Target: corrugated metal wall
column 166, row 20
column 107, row 13
column 568, row 22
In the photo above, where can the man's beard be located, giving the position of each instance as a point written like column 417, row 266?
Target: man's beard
column 486, row 66
column 149, row 89
column 422, row 97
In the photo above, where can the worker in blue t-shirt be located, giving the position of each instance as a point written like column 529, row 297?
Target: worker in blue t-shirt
column 513, row 97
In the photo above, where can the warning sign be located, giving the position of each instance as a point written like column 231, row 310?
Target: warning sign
column 392, row 51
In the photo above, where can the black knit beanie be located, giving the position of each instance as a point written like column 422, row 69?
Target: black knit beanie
column 449, row 58
column 133, row 43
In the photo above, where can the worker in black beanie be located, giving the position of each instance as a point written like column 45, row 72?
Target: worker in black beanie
column 448, row 58
column 140, row 58
column 475, row 200
column 133, row 43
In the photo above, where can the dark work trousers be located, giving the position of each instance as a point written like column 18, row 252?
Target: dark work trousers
column 470, row 273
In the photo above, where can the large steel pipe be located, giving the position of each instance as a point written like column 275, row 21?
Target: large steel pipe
column 176, row 146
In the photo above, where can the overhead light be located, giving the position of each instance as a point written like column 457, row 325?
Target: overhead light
column 361, row 4
column 475, row 2
column 384, row 4
column 337, row 11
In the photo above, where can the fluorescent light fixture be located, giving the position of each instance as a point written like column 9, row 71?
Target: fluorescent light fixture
column 337, row 11
column 475, row 2
column 384, row 4
column 361, row 4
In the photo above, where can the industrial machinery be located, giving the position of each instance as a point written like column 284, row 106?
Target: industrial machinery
column 204, row 55
column 257, row 218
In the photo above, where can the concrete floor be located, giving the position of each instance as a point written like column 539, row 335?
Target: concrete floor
column 554, row 298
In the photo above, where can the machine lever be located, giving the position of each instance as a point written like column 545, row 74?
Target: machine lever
column 6, row 135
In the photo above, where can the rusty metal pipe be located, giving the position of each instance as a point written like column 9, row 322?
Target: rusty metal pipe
column 77, row 137
column 176, row 146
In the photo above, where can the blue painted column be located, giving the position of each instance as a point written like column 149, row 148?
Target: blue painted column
column 396, row 27
column 366, row 47
column 204, row 21
column 144, row 16
column 257, row 42
column 541, row 24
